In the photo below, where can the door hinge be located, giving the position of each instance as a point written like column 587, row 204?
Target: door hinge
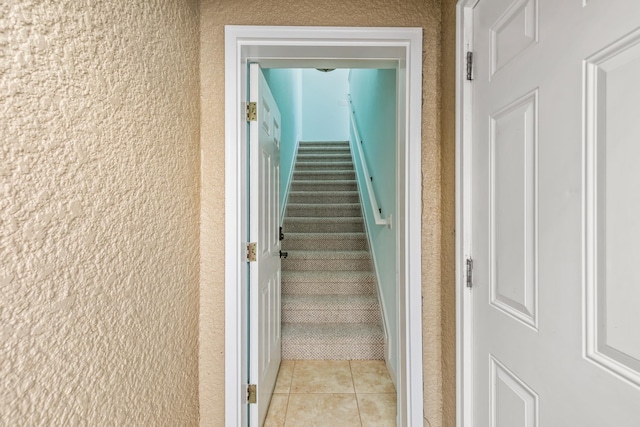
column 252, row 112
column 252, row 393
column 251, row 251
column 470, row 65
column 469, row 272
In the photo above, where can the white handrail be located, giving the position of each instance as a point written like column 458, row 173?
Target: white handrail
column 365, row 170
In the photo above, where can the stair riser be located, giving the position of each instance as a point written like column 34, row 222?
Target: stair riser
column 324, row 158
column 324, row 351
column 324, row 150
column 326, row 264
column 324, row 186
column 319, row 211
column 319, row 198
column 324, row 244
column 303, row 227
column 304, row 148
column 306, row 288
column 311, row 166
column 305, row 144
column 319, row 176
column 330, row 316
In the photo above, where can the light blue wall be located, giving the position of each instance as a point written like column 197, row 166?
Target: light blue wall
column 286, row 87
column 325, row 115
column 373, row 94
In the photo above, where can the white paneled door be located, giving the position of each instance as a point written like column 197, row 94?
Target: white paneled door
column 264, row 281
column 555, row 195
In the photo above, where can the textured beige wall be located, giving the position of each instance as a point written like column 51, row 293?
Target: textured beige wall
column 99, row 206
column 447, row 205
column 412, row 13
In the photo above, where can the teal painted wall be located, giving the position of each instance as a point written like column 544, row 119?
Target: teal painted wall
column 286, row 87
column 325, row 114
column 373, row 95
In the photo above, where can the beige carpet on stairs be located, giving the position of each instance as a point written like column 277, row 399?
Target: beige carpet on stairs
column 330, row 310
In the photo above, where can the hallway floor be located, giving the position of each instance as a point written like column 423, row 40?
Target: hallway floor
column 333, row 393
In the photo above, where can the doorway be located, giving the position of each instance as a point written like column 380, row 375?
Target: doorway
column 321, row 47
column 338, row 273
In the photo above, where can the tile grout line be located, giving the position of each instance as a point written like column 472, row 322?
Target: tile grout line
column 286, row 411
column 355, row 394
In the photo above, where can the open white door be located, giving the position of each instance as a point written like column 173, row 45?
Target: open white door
column 264, row 219
column 555, row 213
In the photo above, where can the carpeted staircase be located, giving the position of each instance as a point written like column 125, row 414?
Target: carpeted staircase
column 330, row 309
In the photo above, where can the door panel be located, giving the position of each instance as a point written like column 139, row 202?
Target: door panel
column 556, row 213
column 513, row 403
column 264, row 304
column 513, row 210
column 613, row 296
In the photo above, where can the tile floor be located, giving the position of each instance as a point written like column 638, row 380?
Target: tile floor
column 332, row 393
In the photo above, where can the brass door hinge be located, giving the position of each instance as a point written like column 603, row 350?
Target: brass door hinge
column 252, row 112
column 251, row 251
column 252, row 393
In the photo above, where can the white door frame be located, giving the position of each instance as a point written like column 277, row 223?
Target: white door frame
column 320, row 45
column 464, row 301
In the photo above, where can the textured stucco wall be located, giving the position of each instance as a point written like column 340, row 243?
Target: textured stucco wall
column 447, row 206
column 411, row 13
column 99, row 210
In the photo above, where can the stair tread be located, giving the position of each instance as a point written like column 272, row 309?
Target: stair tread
column 321, row 172
column 329, row 164
column 310, row 156
column 322, row 145
column 323, row 219
column 331, row 254
column 323, row 205
column 319, row 181
column 335, row 192
column 330, row 302
column 330, row 332
column 326, row 236
column 305, row 143
column 345, row 276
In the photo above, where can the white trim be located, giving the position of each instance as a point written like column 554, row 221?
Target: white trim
column 464, row 301
column 330, row 44
column 235, row 271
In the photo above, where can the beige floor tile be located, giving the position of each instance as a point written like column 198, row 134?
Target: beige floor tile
column 377, row 410
column 322, row 376
column 283, row 383
column 277, row 410
column 371, row 376
column 322, row 410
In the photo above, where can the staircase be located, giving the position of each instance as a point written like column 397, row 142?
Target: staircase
column 330, row 310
